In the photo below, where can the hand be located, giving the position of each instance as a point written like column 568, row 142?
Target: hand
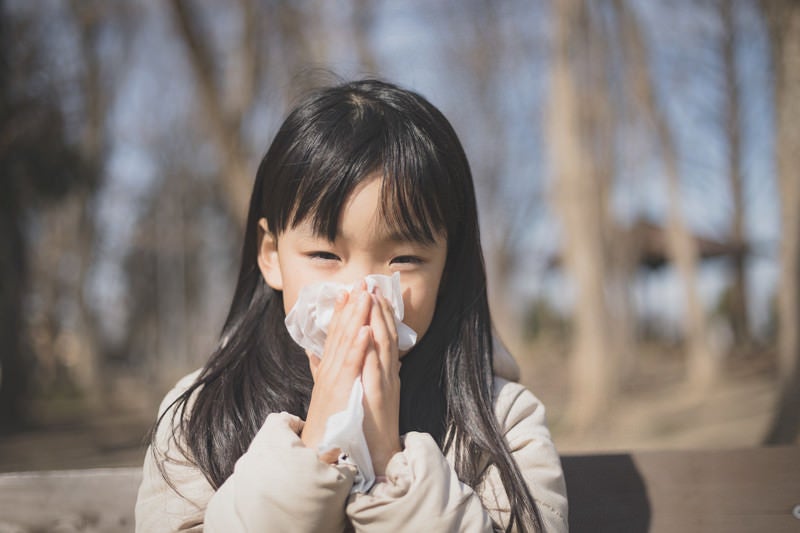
column 381, row 379
column 345, row 349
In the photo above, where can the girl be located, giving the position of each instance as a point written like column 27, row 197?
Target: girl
column 362, row 178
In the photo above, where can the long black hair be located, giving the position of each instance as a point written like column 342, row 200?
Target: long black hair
column 333, row 140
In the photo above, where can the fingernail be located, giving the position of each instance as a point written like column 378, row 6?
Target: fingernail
column 341, row 297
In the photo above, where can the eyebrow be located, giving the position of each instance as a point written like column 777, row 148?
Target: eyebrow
column 394, row 236
column 397, row 237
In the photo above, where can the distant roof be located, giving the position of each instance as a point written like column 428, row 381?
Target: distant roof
column 650, row 241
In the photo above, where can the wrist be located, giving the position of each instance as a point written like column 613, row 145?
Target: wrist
column 381, row 460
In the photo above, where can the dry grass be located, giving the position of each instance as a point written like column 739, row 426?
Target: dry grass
column 656, row 409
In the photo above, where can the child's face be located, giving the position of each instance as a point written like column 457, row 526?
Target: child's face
column 363, row 246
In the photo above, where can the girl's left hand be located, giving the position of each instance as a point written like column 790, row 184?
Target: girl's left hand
column 381, row 379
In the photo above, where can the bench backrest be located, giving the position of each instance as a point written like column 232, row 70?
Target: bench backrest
column 754, row 490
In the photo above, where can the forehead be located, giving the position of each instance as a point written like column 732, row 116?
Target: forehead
column 375, row 206
column 375, row 233
column 363, row 216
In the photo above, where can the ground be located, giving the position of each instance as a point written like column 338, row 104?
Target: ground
column 654, row 411
column 657, row 410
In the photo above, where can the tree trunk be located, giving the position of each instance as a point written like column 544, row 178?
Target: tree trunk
column 481, row 52
column 703, row 365
column 78, row 224
column 362, row 23
column 235, row 178
column 15, row 365
column 783, row 19
column 579, row 199
column 738, row 300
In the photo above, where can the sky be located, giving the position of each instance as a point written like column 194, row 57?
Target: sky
column 419, row 45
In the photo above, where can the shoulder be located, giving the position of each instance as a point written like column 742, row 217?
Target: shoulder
column 503, row 363
column 521, row 419
column 167, row 442
column 513, row 404
column 168, row 429
column 186, row 381
column 180, row 387
column 183, row 384
column 173, row 493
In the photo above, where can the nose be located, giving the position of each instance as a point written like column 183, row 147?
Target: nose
column 357, row 270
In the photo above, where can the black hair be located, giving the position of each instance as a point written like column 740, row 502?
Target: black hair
column 336, row 138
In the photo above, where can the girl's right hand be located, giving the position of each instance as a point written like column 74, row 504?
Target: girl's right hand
column 334, row 373
column 381, row 379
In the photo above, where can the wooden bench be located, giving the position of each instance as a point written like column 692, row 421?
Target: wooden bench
column 754, row 490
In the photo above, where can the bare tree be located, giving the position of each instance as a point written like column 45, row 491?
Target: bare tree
column 481, row 51
column 224, row 127
column 39, row 166
column 703, row 365
column 289, row 26
column 581, row 199
column 74, row 228
column 362, row 22
column 738, row 302
column 783, row 21
column 69, row 344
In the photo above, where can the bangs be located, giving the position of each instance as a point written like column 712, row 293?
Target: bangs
column 346, row 145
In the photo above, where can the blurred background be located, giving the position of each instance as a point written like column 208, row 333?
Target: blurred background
column 637, row 165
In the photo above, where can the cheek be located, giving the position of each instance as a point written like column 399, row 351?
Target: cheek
column 289, row 299
column 290, row 292
column 419, row 307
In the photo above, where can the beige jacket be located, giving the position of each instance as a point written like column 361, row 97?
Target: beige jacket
column 280, row 485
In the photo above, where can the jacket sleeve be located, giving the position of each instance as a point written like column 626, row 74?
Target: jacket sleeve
column 422, row 492
column 177, row 505
column 522, row 417
column 277, row 485
column 280, row 485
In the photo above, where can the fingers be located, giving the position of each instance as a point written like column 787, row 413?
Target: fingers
column 345, row 348
column 346, row 344
column 313, row 363
column 351, row 333
column 384, row 332
column 341, row 299
column 331, row 456
column 362, row 339
column 381, row 378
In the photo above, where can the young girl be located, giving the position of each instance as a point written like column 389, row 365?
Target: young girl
column 363, row 178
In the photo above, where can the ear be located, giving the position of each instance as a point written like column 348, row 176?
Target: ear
column 268, row 256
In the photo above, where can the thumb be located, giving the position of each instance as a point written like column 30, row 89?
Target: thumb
column 313, row 363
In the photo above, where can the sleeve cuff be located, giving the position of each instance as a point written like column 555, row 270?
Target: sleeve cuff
column 280, row 485
column 421, row 492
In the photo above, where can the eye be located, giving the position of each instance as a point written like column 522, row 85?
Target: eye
column 323, row 256
column 407, row 260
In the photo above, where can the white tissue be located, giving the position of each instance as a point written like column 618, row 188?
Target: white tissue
column 344, row 430
column 308, row 323
column 310, row 317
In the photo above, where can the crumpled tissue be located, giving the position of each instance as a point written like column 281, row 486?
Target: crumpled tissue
column 308, row 323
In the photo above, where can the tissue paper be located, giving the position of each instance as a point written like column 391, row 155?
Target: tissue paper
column 344, row 430
column 308, row 323
column 310, row 317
